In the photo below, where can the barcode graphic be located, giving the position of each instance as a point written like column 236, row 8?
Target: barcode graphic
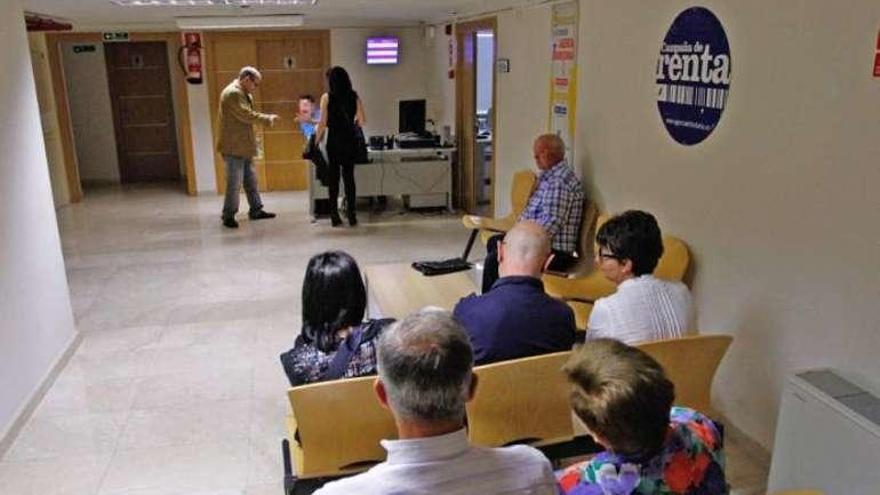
column 690, row 95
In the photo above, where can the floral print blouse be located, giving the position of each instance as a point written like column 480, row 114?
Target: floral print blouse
column 691, row 463
column 305, row 363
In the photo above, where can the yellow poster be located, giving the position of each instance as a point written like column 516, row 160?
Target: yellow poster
column 563, row 74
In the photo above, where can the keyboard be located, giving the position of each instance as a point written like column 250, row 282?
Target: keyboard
column 442, row 267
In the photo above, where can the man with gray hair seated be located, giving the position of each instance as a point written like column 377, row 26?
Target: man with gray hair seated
column 425, row 378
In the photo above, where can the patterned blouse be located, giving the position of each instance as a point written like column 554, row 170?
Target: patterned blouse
column 305, row 363
column 691, row 463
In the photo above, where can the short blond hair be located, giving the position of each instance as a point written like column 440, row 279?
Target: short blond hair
column 621, row 394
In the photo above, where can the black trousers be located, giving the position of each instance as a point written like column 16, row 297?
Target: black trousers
column 562, row 261
column 347, row 173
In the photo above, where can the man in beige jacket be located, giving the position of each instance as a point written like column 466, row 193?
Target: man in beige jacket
column 238, row 144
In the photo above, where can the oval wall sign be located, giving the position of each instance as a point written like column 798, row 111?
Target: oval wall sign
column 693, row 75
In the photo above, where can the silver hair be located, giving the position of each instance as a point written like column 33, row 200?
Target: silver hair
column 425, row 363
column 248, row 71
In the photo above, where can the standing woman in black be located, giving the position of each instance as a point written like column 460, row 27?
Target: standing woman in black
column 341, row 111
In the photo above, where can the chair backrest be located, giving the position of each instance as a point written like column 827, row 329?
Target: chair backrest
column 521, row 401
column 690, row 363
column 587, row 232
column 339, row 426
column 673, row 265
column 521, row 190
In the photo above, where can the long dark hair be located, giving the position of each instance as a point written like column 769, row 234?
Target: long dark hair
column 339, row 82
column 333, row 297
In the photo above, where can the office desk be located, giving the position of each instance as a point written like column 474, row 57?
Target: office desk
column 424, row 176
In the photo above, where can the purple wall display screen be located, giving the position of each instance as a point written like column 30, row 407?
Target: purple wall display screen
column 383, row 50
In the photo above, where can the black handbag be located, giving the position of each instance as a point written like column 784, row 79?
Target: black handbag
column 360, row 152
column 313, row 153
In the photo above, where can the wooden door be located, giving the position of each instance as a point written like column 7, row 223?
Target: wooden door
column 143, row 111
column 465, row 114
column 227, row 55
column 292, row 63
column 290, row 68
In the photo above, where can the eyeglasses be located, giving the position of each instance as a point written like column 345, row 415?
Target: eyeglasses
column 608, row 256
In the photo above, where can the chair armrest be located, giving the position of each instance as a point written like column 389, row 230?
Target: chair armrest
column 579, row 300
column 485, row 223
column 586, row 289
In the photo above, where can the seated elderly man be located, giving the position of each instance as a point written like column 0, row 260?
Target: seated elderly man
column 516, row 318
column 644, row 307
column 557, row 204
column 425, row 379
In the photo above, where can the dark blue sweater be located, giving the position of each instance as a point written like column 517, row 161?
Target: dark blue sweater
column 516, row 318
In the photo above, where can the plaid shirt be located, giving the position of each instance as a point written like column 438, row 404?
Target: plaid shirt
column 558, row 205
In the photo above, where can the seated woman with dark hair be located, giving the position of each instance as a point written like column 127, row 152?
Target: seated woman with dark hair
column 335, row 341
column 644, row 307
column 624, row 399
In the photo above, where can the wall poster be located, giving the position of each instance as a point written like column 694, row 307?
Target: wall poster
column 563, row 75
column 693, row 75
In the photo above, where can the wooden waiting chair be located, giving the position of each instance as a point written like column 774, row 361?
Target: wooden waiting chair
column 586, row 244
column 335, row 428
column 581, row 292
column 690, row 363
column 521, row 401
column 520, row 191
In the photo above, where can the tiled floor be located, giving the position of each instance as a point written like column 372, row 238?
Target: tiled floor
column 176, row 387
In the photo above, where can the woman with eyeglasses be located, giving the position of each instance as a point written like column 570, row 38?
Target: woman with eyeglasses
column 644, row 307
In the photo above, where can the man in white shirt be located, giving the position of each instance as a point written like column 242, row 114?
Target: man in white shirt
column 425, row 378
column 644, row 307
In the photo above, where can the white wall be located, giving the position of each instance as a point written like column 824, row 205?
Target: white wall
column 37, row 322
column 202, row 137
column 778, row 205
column 441, row 89
column 523, row 94
column 88, row 92
column 49, row 118
column 380, row 86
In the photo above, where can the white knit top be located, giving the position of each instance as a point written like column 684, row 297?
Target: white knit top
column 643, row 308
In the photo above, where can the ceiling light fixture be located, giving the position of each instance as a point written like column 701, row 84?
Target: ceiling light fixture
column 219, row 23
column 212, row 3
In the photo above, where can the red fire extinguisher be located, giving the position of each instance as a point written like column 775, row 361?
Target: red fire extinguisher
column 190, row 57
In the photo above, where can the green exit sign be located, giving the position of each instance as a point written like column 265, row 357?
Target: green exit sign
column 116, row 36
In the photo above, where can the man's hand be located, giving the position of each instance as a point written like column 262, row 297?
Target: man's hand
column 272, row 119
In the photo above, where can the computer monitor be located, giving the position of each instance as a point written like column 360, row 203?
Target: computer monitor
column 412, row 116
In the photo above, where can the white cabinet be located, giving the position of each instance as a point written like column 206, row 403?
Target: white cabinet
column 827, row 437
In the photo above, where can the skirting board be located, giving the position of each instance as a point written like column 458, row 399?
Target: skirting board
column 27, row 409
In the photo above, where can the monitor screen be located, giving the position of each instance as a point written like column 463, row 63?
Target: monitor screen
column 412, row 116
column 383, row 50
